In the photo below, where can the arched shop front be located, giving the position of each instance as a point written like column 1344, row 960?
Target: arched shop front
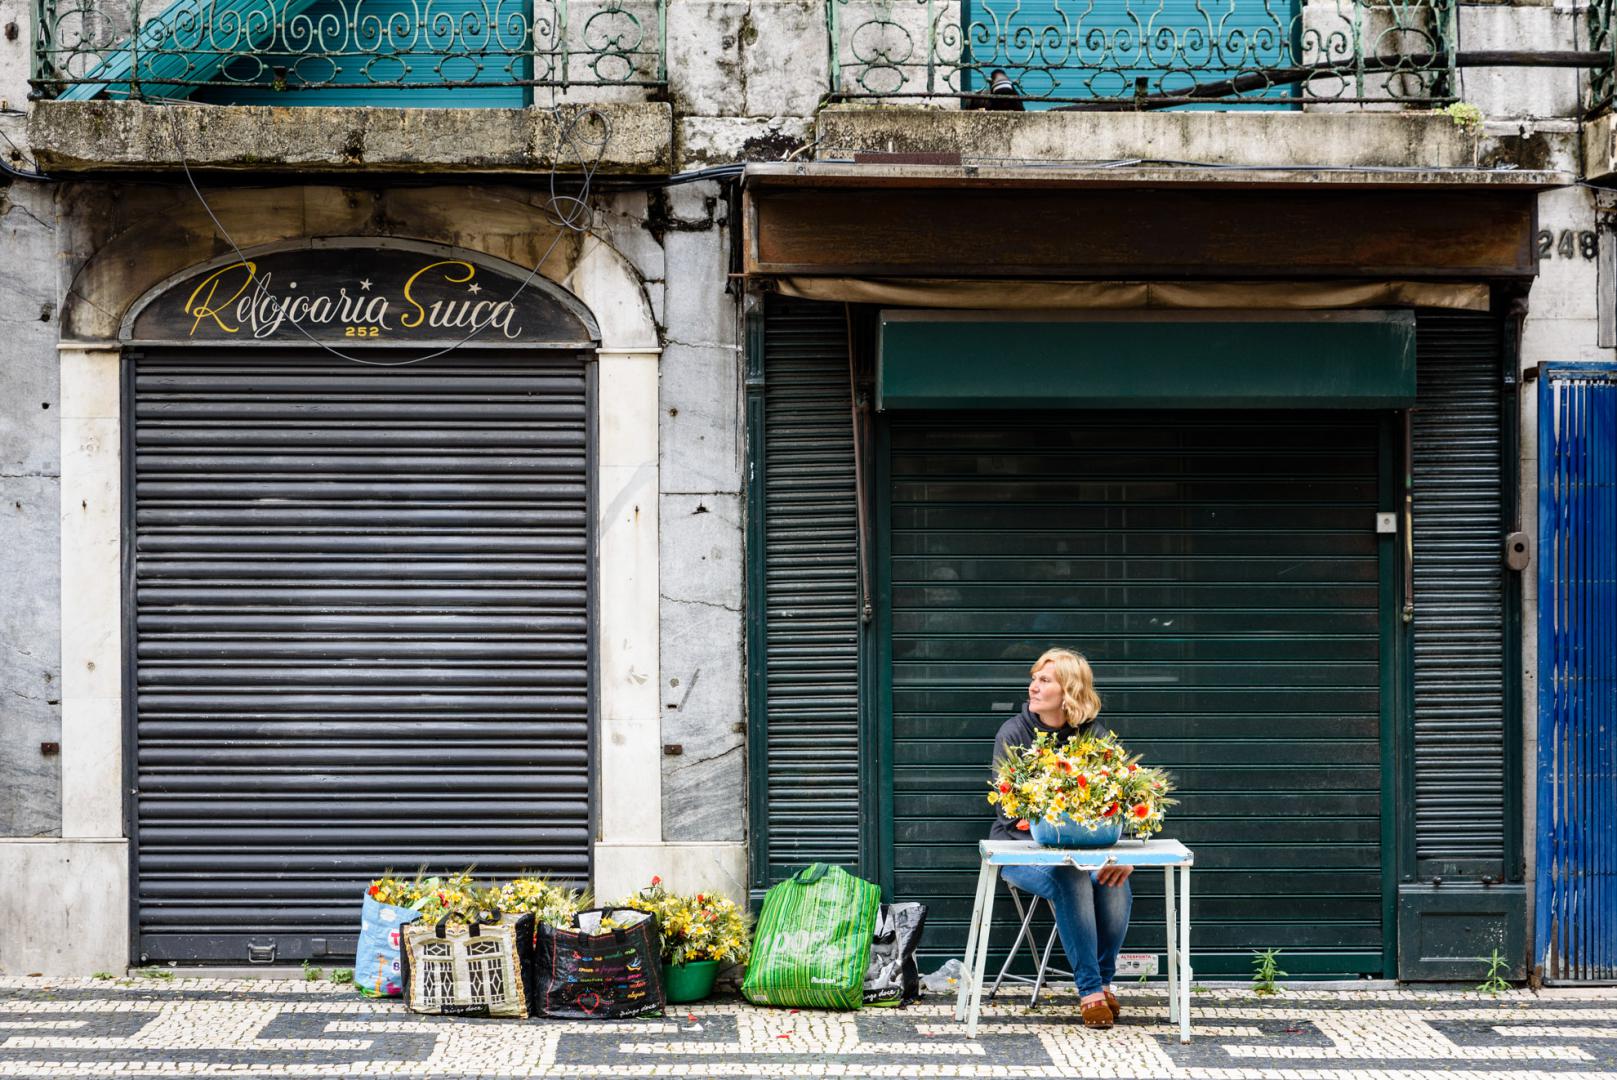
column 358, row 588
column 1269, row 502
column 332, row 535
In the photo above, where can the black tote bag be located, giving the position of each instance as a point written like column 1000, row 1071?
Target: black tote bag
column 585, row 971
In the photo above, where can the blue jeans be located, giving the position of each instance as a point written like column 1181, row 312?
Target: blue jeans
column 1091, row 918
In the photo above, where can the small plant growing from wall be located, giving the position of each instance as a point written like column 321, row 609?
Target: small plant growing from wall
column 1466, row 116
column 1265, row 967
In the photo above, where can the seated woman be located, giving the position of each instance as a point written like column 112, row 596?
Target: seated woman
column 1091, row 908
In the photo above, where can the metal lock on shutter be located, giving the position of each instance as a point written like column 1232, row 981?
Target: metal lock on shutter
column 1518, row 550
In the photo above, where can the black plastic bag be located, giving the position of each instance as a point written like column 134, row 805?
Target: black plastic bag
column 893, row 977
column 585, row 971
column 480, row 969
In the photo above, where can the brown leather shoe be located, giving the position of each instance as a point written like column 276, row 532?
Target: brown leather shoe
column 1097, row 1014
column 1112, row 1004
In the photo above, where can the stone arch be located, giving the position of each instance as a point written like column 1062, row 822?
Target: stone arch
column 168, row 231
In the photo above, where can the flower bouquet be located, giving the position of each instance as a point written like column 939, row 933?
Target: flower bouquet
column 547, row 902
column 699, row 932
column 1085, row 793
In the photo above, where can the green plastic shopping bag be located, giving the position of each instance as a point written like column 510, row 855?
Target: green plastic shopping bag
column 812, row 945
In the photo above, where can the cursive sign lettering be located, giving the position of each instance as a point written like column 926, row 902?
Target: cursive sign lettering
column 240, row 296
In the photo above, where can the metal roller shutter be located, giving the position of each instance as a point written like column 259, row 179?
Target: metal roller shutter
column 361, row 636
column 1221, row 571
column 810, row 593
column 1459, row 629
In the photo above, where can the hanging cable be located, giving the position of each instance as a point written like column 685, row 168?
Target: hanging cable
column 569, row 213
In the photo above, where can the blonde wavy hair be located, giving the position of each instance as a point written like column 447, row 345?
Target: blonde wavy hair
column 1079, row 702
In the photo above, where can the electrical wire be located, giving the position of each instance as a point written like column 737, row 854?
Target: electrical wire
column 31, row 173
column 1127, row 163
column 575, row 218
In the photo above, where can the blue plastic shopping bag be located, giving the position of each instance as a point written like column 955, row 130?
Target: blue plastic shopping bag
column 377, row 971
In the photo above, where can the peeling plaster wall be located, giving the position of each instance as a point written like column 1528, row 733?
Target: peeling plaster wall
column 30, row 655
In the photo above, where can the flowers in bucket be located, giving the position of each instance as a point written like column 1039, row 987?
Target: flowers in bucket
column 1092, row 779
column 695, row 927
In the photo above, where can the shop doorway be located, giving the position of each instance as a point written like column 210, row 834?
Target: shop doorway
column 1224, row 573
column 358, row 610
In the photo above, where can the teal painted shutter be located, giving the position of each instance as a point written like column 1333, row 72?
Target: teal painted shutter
column 1459, row 628
column 1098, row 48
column 810, row 600
column 478, row 42
column 1222, row 573
column 394, row 52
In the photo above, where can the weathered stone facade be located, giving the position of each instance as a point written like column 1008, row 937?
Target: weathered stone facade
column 745, row 83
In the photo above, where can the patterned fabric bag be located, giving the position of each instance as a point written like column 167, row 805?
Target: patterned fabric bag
column 378, row 971
column 812, row 945
column 481, row 969
column 607, row 965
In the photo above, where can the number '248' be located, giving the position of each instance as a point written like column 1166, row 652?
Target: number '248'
column 1567, row 244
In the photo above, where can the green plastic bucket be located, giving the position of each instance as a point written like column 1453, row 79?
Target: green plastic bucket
column 689, row 982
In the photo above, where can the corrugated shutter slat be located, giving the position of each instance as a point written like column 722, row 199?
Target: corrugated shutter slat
column 360, row 636
column 811, row 587
column 1459, row 645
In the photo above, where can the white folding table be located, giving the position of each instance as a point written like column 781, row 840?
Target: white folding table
column 1169, row 855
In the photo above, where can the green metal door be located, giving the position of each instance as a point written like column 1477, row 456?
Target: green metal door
column 1224, row 573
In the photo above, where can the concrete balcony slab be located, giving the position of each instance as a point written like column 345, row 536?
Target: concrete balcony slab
column 1219, row 139
column 83, row 137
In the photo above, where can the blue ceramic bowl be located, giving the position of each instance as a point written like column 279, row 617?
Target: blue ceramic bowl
column 1072, row 834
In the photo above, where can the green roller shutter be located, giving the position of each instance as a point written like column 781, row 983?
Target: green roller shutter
column 1459, row 639
column 806, row 692
column 1223, row 573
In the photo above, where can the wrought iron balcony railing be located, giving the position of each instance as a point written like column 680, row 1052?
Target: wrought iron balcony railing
column 442, row 52
column 1149, row 53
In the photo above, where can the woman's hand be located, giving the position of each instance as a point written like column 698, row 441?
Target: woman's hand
column 1113, row 875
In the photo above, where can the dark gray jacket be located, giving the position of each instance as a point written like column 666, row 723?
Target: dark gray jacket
column 1018, row 731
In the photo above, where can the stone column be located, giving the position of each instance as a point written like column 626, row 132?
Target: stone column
column 629, row 792
column 83, row 927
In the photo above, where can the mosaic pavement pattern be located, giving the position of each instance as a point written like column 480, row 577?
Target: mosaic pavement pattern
column 172, row 1027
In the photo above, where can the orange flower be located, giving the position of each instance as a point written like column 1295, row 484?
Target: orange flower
column 1083, row 781
column 1004, row 789
column 375, row 889
column 1142, row 811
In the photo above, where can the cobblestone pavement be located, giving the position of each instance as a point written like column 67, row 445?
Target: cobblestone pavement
column 169, row 1027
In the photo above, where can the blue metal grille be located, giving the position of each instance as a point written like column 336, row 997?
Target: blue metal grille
column 1577, row 665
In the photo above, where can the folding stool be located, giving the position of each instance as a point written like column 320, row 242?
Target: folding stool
column 1041, row 962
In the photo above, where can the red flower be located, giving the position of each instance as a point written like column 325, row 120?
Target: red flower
column 1083, row 781
column 374, row 889
column 1110, row 810
column 700, row 899
column 1134, row 768
column 1064, row 765
column 655, row 880
column 1142, row 811
column 1004, row 789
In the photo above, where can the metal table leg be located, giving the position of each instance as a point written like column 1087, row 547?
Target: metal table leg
column 985, row 875
column 1171, row 934
column 1184, row 952
column 990, row 877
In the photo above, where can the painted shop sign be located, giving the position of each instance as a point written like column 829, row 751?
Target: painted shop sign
column 379, row 295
